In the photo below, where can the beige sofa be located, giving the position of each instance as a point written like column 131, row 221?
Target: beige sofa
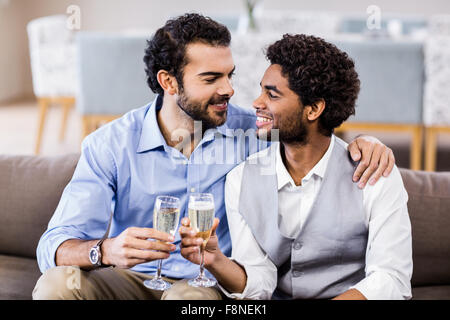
column 30, row 188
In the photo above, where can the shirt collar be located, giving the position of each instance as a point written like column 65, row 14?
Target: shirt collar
column 151, row 136
column 319, row 169
column 223, row 130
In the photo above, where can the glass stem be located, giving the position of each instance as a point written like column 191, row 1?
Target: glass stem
column 158, row 273
column 202, row 262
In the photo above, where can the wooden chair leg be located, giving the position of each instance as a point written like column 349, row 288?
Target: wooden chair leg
column 430, row 149
column 416, row 148
column 93, row 122
column 43, row 104
column 67, row 104
column 87, row 126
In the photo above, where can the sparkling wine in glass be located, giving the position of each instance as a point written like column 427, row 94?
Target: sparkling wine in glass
column 201, row 215
column 166, row 216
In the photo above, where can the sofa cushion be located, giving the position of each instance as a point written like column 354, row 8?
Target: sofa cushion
column 18, row 277
column 431, row 293
column 429, row 210
column 30, row 189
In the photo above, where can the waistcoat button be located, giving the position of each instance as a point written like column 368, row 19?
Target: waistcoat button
column 296, row 274
column 297, row 246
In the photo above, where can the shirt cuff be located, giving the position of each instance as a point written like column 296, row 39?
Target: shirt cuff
column 382, row 286
column 254, row 288
column 46, row 251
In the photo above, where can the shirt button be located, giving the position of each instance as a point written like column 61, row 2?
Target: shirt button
column 297, row 246
column 192, row 190
column 296, row 274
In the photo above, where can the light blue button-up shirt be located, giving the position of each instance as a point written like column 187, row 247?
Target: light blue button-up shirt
column 127, row 163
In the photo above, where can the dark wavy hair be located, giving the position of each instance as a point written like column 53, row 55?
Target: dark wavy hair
column 166, row 50
column 316, row 70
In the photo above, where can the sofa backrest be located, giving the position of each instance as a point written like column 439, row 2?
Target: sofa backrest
column 429, row 211
column 30, row 189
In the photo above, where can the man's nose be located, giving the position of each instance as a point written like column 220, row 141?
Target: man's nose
column 226, row 89
column 258, row 104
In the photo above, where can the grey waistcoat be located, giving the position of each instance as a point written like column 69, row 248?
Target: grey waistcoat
column 328, row 255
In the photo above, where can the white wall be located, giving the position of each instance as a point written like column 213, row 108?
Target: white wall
column 420, row 7
column 14, row 63
column 110, row 15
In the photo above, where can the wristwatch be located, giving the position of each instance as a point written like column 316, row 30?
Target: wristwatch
column 95, row 254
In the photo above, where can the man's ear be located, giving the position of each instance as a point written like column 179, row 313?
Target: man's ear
column 167, row 82
column 314, row 110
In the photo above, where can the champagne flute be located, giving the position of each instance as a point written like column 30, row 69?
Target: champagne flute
column 166, row 215
column 201, row 215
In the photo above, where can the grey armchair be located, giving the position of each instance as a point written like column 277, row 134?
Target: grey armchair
column 392, row 81
column 111, row 76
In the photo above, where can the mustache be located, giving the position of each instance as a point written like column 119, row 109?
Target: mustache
column 219, row 100
column 263, row 114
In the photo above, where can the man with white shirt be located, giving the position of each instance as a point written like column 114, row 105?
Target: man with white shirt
column 299, row 227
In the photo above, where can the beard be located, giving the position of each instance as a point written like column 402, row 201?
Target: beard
column 294, row 131
column 199, row 111
column 291, row 129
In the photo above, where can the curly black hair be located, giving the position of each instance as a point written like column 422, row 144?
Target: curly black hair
column 316, row 70
column 166, row 50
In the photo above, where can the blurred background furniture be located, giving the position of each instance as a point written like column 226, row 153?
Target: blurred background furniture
column 248, row 44
column 439, row 24
column 390, row 67
column 436, row 113
column 321, row 24
column 31, row 187
column 392, row 79
column 410, row 25
column 52, row 55
column 232, row 21
column 112, row 78
column 389, row 61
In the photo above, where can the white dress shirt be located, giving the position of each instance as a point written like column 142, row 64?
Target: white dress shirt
column 389, row 249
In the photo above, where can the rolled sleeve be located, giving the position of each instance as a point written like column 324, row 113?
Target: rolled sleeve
column 48, row 245
column 260, row 282
column 389, row 251
column 85, row 206
column 382, row 286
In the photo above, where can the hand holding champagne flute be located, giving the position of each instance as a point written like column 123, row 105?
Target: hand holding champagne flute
column 201, row 221
column 200, row 245
column 166, row 215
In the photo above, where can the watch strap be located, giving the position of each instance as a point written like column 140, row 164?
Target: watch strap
column 100, row 242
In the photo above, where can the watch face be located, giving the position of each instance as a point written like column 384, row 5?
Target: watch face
column 93, row 256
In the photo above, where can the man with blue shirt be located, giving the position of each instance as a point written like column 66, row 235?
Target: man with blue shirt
column 186, row 141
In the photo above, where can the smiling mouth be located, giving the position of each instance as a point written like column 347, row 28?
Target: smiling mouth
column 220, row 106
column 263, row 121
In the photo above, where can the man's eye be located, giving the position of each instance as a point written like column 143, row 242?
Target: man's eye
column 231, row 75
column 210, row 80
column 271, row 96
